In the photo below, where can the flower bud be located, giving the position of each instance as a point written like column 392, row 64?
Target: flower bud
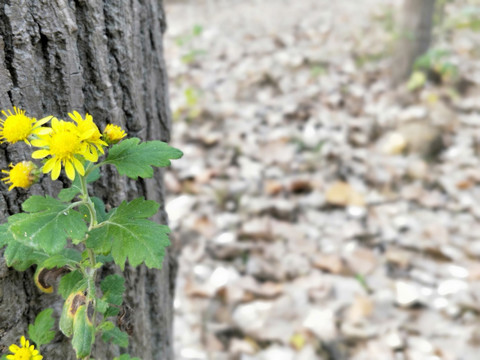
column 113, row 134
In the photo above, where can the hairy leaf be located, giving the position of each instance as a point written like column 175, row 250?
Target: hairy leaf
column 47, row 224
column 83, row 332
column 135, row 159
column 71, row 282
column 70, row 257
column 126, row 357
column 128, row 234
column 40, row 332
column 113, row 287
column 116, row 336
column 18, row 255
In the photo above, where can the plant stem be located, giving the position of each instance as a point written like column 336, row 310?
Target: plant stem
column 92, row 272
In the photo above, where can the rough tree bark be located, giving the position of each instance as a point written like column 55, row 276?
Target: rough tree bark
column 105, row 58
column 415, row 36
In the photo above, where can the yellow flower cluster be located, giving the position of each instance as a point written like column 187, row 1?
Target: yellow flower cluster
column 64, row 144
column 24, row 352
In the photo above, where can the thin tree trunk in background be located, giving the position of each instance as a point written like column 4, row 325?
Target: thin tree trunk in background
column 105, row 58
column 414, row 38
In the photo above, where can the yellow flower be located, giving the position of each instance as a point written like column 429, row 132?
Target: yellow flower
column 113, row 134
column 23, row 175
column 64, row 145
column 26, row 352
column 90, row 135
column 17, row 126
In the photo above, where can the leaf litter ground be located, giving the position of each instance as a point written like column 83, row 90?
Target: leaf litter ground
column 318, row 213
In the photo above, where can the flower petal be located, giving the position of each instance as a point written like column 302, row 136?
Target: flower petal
column 40, row 154
column 42, row 131
column 44, row 120
column 39, row 142
column 69, row 170
column 88, row 155
column 14, row 348
column 79, row 166
column 56, row 170
column 49, row 165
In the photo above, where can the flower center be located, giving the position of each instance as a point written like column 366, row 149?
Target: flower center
column 23, row 354
column 17, row 127
column 64, row 144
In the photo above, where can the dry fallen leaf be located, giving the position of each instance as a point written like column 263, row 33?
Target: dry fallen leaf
column 343, row 194
column 361, row 308
column 329, row 262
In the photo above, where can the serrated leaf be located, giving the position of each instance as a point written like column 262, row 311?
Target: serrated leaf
column 21, row 257
column 99, row 209
column 68, row 194
column 83, row 333
column 101, row 305
column 135, row 159
column 111, row 311
column 113, row 287
column 125, row 357
column 18, row 255
column 128, row 234
column 47, row 224
column 40, row 332
column 104, row 259
column 116, row 336
column 72, row 282
column 106, row 326
column 70, row 257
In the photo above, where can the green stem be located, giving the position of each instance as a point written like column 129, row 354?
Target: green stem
column 92, row 272
column 92, row 167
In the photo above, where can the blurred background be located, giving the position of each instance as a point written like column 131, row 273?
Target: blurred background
column 328, row 203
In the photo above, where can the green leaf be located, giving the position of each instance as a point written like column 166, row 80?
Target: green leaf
column 113, row 287
column 116, row 336
column 21, row 257
column 102, row 306
column 106, row 326
column 5, row 236
column 68, row 194
column 47, row 224
column 70, row 283
column 40, row 332
column 104, row 259
column 126, row 357
column 18, row 255
column 99, row 209
column 65, row 323
column 128, row 234
column 70, row 257
column 111, row 311
column 134, row 159
column 83, row 333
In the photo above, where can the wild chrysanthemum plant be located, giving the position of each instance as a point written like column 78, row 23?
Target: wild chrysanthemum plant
column 70, row 237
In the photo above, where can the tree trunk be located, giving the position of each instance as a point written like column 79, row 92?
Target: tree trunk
column 105, row 58
column 415, row 35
